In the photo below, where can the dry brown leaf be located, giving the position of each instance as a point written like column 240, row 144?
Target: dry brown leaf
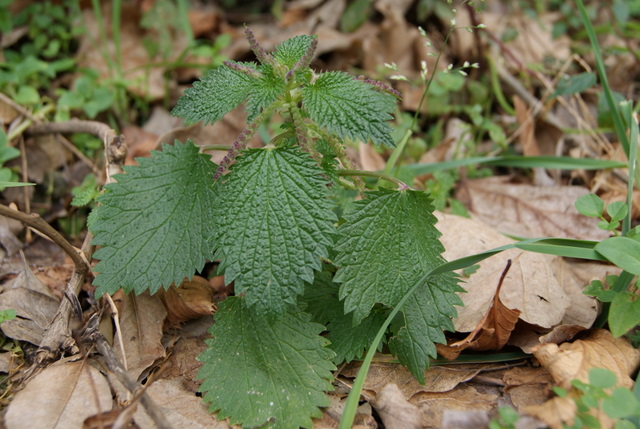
column 182, row 363
column 183, row 409
column 527, row 386
column 598, row 350
column 437, row 378
column 141, row 320
column 464, row 419
column 9, row 243
column 555, row 411
column 573, row 276
column 464, row 398
column 62, row 396
column 34, row 311
column 529, row 211
column 530, row 286
column 395, row 411
column 534, row 43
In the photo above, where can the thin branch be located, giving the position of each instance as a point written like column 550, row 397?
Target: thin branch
column 93, row 335
column 57, row 336
column 36, row 222
column 114, row 144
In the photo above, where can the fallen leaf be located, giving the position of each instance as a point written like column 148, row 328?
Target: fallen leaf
column 9, row 243
column 464, row 398
column 529, row 211
column 141, row 320
column 183, row 409
column 26, row 279
column 34, row 311
column 395, row 411
column 527, row 385
column 62, row 396
column 598, row 350
column 437, row 378
column 530, row 286
column 555, row 411
column 464, row 419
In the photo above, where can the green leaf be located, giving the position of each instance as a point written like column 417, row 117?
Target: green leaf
column 263, row 91
column 426, row 314
column 321, row 300
column 386, row 245
column 27, row 95
column 621, row 404
column 258, row 371
column 617, row 210
column 273, row 224
column 154, row 224
column 621, row 12
column 624, row 313
column 590, row 205
column 575, row 84
column 214, row 95
column 349, row 342
column 622, row 251
column 596, row 289
column 350, row 107
column 356, row 13
column 602, row 378
column 291, row 51
column 6, row 152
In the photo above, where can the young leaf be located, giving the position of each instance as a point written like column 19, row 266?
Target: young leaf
column 590, row 205
column 622, row 251
column 292, row 50
column 624, row 313
column 350, row 107
column 273, row 224
column 386, row 244
column 154, row 223
column 214, row 95
column 426, row 314
column 258, row 371
column 263, row 91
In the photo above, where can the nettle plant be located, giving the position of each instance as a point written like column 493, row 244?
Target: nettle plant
column 312, row 289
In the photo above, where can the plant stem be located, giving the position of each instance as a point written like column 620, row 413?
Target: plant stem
column 36, row 222
column 215, row 147
column 361, row 173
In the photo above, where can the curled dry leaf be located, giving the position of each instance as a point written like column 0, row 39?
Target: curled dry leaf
column 191, row 300
column 493, row 331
